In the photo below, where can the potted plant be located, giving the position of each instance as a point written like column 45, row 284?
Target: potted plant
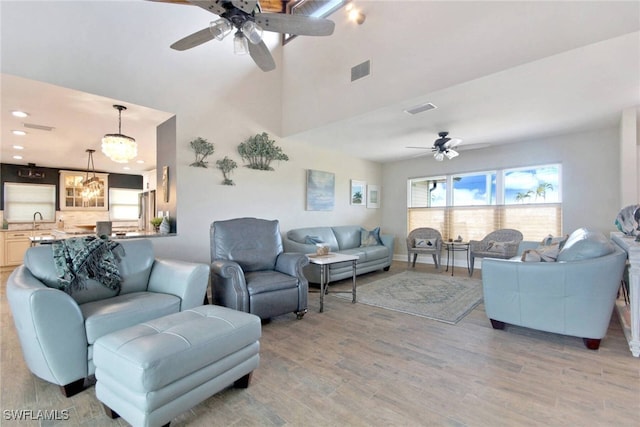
column 156, row 222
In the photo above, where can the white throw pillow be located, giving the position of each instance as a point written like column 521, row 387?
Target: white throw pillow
column 425, row 243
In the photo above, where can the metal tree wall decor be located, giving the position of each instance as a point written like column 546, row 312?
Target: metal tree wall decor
column 259, row 151
column 226, row 165
column 202, row 148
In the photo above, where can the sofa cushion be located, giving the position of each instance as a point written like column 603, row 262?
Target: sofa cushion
column 348, row 236
column 112, row 314
column 268, row 281
column 585, row 244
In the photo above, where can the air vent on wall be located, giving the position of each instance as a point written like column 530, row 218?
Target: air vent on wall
column 360, row 70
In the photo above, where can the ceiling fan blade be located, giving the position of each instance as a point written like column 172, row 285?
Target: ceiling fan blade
column 454, row 142
column 295, row 24
column 421, row 148
column 193, row 40
column 262, row 57
column 247, row 6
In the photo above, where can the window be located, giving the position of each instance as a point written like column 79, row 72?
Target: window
column 21, row 201
column 527, row 199
column 474, row 189
column 123, row 204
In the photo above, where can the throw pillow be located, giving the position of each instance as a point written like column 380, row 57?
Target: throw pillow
column 498, row 247
column 370, row 238
column 541, row 254
column 425, row 243
column 312, row 240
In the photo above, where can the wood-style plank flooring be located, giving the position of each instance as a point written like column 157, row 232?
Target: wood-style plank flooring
column 356, row 365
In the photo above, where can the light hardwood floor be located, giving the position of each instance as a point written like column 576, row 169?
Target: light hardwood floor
column 357, row 365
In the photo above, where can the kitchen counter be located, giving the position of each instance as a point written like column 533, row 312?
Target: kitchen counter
column 65, row 234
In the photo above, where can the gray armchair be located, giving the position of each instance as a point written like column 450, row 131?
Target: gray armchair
column 501, row 244
column 424, row 240
column 250, row 271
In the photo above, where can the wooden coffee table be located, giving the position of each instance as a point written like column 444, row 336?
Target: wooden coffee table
column 324, row 261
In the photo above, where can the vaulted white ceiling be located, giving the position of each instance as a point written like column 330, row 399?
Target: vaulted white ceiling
column 499, row 72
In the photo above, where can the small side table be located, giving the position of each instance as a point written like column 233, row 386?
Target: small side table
column 452, row 248
column 333, row 258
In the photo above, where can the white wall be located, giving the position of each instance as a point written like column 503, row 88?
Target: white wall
column 629, row 156
column 590, row 177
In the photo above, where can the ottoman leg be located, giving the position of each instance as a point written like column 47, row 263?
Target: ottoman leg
column 110, row 412
column 243, row 382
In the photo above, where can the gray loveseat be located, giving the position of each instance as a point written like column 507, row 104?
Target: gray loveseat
column 57, row 330
column 347, row 239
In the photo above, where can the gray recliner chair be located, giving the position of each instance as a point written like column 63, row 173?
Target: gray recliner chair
column 250, row 271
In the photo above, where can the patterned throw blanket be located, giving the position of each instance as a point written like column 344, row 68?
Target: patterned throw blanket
column 80, row 258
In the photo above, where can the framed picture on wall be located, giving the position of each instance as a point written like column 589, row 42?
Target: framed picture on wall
column 358, row 192
column 373, row 196
column 320, row 190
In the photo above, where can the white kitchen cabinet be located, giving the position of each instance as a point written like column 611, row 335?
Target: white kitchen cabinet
column 71, row 197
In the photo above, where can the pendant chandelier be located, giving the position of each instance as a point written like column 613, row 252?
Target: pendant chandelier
column 118, row 147
column 91, row 187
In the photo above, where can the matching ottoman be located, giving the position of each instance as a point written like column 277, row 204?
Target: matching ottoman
column 152, row 372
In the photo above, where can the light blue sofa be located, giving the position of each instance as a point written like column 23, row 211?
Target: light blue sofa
column 573, row 296
column 346, row 239
column 57, row 330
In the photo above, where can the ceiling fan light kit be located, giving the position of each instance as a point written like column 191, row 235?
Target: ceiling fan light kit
column 118, row 147
column 220, row 28
column 247, row 17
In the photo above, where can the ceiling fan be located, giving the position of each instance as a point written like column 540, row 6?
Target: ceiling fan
column 443, row 146
column 248, row 20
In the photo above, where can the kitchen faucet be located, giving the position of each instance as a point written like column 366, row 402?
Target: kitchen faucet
column 34, row 219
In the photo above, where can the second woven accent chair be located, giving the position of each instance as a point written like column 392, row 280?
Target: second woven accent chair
column 502, row 244
column 424, row 240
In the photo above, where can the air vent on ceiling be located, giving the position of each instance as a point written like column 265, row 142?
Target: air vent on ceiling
column 39, row 127
column 361, row 70
column 420, row 108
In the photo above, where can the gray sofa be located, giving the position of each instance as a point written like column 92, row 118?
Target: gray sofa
column 347, row 239
column 572, row 296
column 57, row 330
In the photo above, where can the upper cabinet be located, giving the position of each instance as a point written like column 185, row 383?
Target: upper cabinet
column 71, row 192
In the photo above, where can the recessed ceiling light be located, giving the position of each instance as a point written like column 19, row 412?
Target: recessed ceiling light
column 17, row 157
column 18, row 132
column 126, row 168
column 18, row 147
column 17, row 113
column 140, row 161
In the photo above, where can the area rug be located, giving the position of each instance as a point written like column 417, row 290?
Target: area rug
column 434, row 296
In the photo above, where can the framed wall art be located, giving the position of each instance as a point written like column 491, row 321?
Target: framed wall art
column 358, row 193
column 320, row 190
column 373, row 196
